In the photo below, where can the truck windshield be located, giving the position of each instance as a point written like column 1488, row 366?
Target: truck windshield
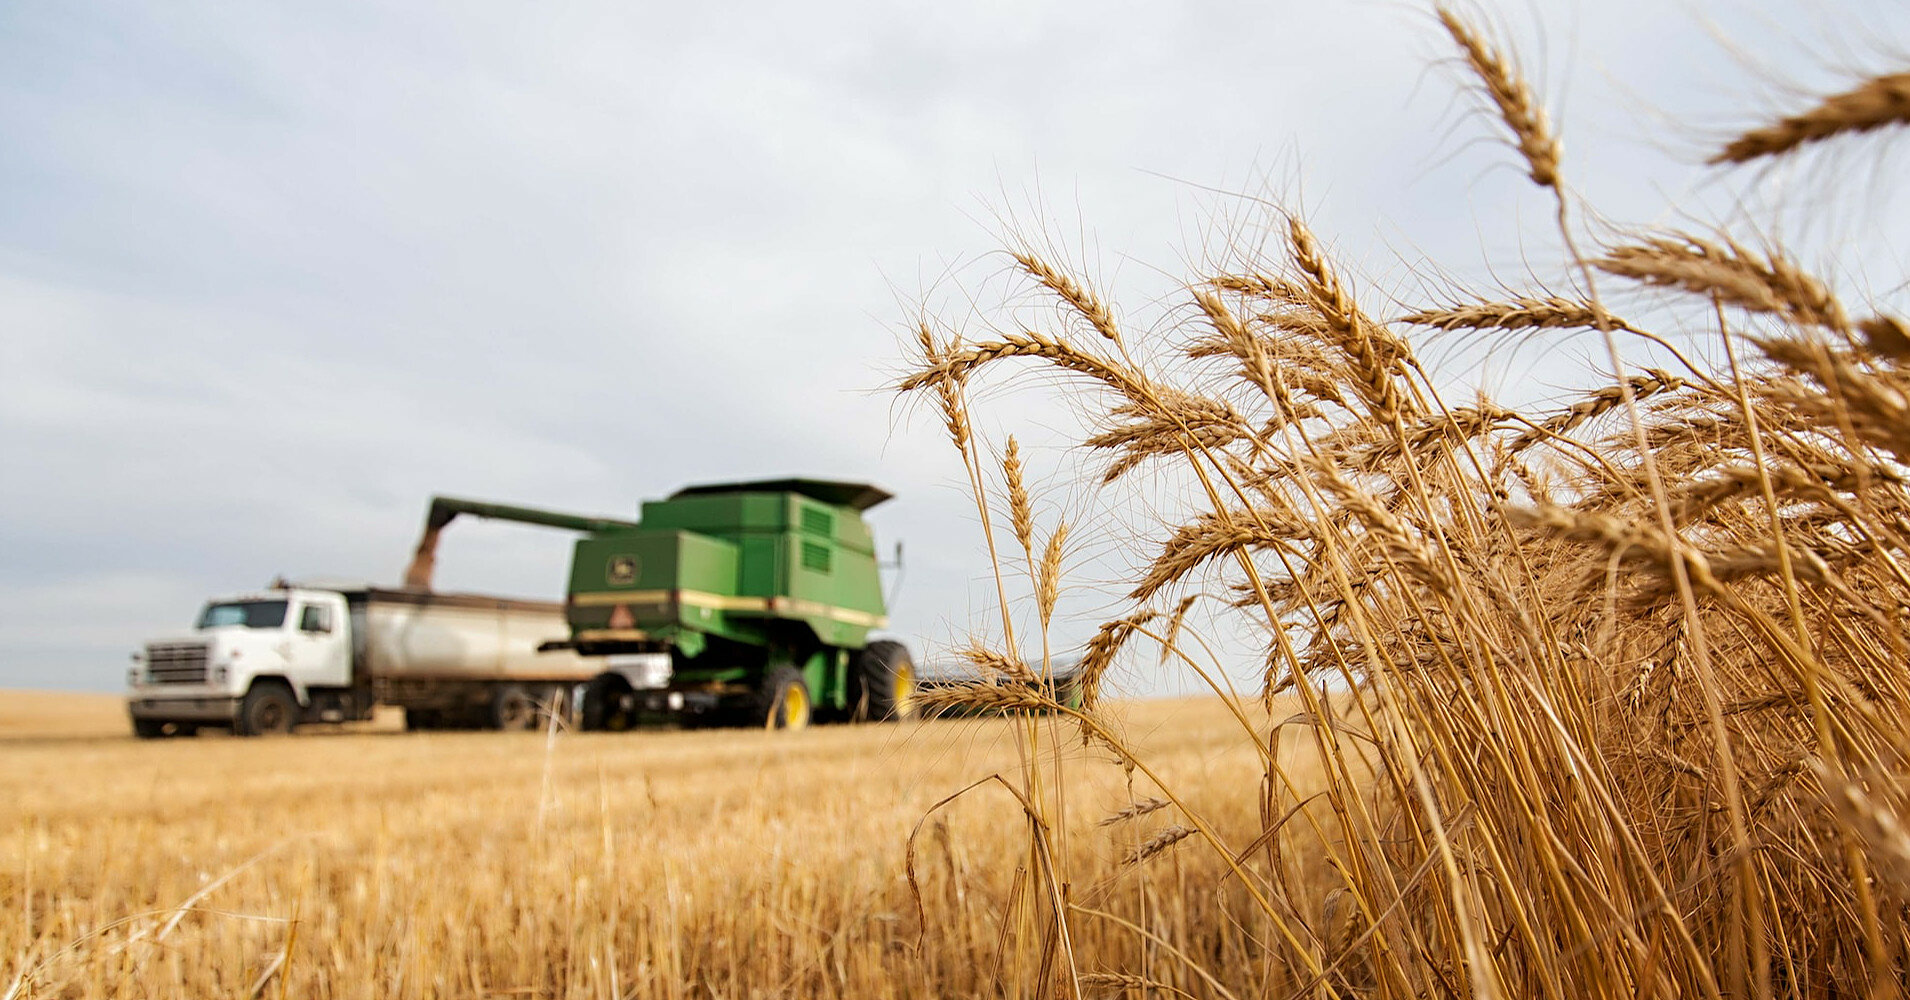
column 251, row 614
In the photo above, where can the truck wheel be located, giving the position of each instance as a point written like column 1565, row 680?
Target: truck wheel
column 512, row 708
column 885, row 681
column 606, row 704
column 420, row 719
column 268, row 710
column 783, row 702
column 149, row 729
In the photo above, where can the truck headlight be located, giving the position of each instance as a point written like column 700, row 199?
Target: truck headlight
column 132, row 676
column 218, row 675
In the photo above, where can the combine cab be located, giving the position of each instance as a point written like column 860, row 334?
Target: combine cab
column 759, row 595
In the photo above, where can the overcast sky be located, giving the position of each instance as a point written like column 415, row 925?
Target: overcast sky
column 272, row 275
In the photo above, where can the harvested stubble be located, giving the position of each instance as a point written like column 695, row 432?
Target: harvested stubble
column 60, row 713
column 1620, row 687
column 697, row 864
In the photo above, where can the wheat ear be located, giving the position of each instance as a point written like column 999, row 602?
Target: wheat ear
column 1508, row 90
column 1880, row 101
column 1767, row 283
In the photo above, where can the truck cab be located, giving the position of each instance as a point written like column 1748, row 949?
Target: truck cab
column 256, row 662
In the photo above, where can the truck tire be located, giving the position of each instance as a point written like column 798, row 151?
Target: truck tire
column 149, row 729
column 418, row 720
column 268, row 710
column 783, row 701
column 884, row 682
column 605, row 705
column 512, row 709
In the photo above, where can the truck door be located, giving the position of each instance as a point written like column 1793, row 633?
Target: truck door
column 321, row 644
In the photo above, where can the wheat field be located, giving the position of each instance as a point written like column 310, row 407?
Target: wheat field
column 657, row 864
column 1596, row 698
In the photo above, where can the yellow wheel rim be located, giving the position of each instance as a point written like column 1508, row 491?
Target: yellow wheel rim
column 903, row 694
column 795, row 708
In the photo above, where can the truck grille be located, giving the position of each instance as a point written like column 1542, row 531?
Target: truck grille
column 176, row 663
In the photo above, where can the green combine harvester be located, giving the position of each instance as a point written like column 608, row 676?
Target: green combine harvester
column 736, row 603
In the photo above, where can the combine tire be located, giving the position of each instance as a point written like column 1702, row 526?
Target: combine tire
column 513, row 708
column 268, row 710
column 783, row 701
column 885, row 682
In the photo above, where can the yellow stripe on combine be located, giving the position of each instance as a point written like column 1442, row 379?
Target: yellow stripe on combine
column 723, row 602
column 612, row 635
column 606, row 599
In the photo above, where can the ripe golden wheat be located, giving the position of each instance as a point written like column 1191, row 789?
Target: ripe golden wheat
column 1601, row 702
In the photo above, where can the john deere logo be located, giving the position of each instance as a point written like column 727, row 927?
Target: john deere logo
column 622, row 570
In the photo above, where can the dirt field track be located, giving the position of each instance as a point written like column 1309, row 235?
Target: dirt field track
column 386, row 864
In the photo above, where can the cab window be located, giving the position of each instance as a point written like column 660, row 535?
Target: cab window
column 248, row 614
column 315, row 618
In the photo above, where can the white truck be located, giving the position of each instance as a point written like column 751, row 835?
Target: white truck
column 267, row 661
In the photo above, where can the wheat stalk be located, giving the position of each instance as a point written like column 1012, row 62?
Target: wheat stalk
column 1074, row 293
column 993, row 664
column 1211, row 536
column 1159, row 842
column 1135, row 811
column 1887, row 336
column 957, row 362
column 1374, row 354
column 1100, row 653
column 1599, row 402
column 1531, row 133
column 1759, row 282
column 1171, row 635
column 1048, row 582
column 1877, row 102
column 989, row 697
column 1259, row 286
column 947, row 391
column 1020, row 510
column 1521, row 313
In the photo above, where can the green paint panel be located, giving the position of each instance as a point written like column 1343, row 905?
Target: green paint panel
column 760, row 574
column 645, row 560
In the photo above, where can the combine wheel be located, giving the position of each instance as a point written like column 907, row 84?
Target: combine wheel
column 783, row 702
column 885, row 677
column 268, row 710
column 512, row 708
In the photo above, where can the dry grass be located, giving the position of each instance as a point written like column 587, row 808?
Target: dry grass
column 75, row 715
column 726, row 863
column 67, row 714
